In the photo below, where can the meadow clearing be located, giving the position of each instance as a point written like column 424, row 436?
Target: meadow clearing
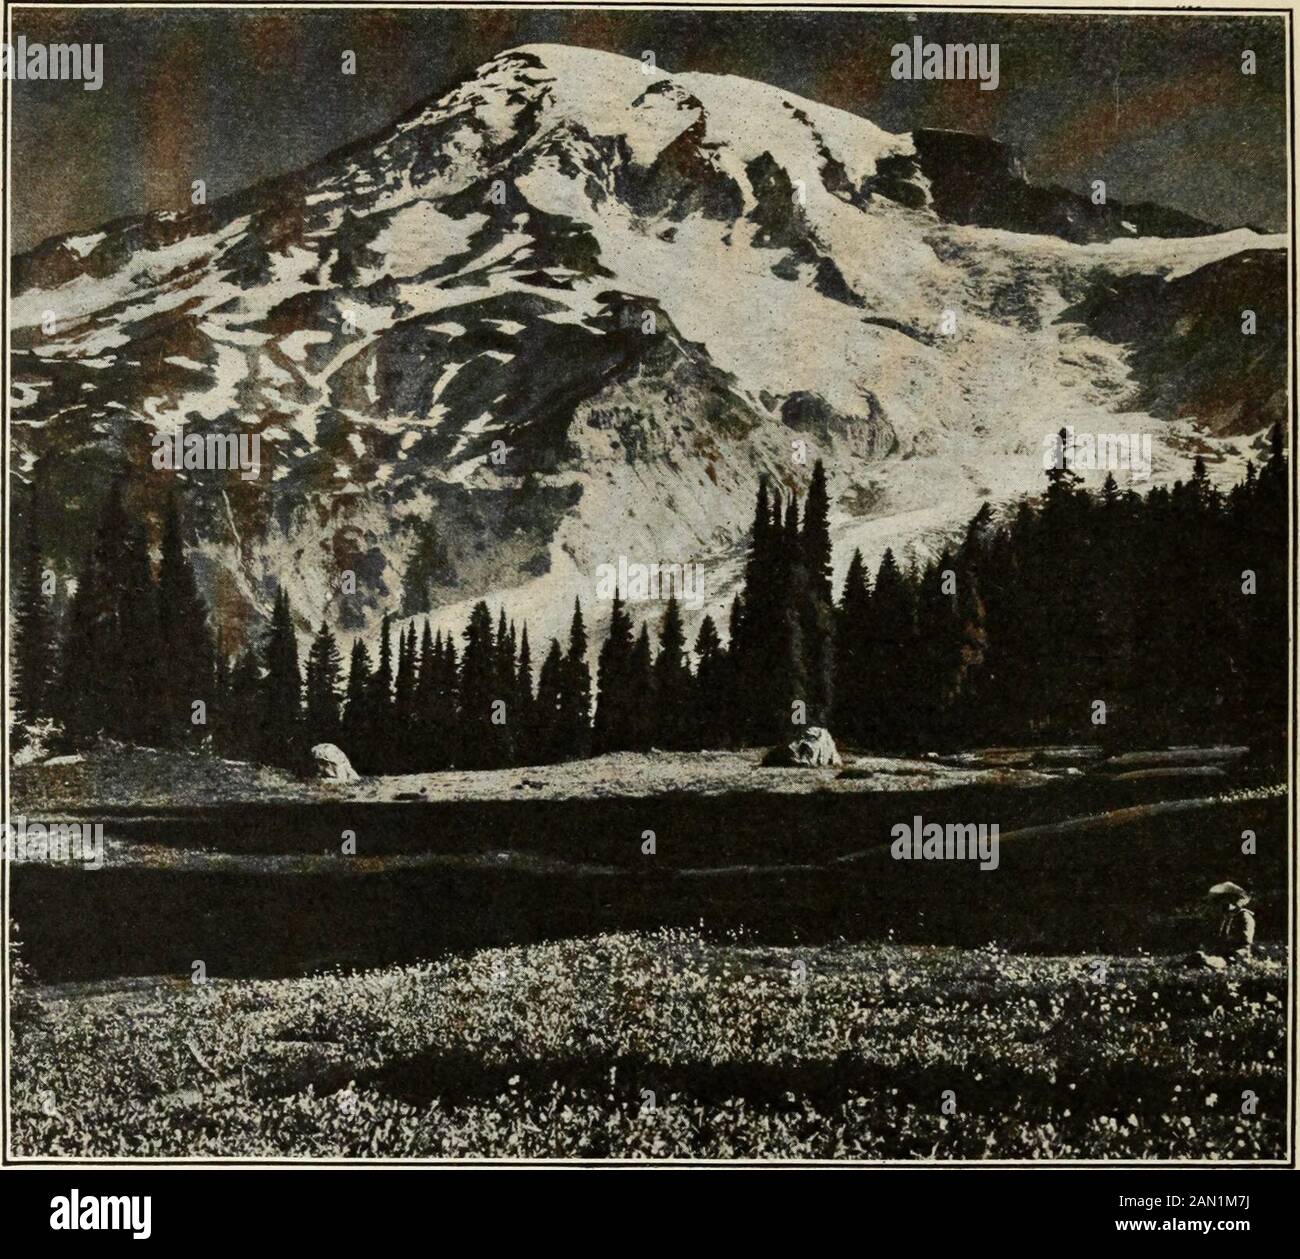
column 669, row 1045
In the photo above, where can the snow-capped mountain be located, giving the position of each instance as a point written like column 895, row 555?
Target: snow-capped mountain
column 571, row 310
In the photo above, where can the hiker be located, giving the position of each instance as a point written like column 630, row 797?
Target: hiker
column 1237, row 923
column 1234, row 928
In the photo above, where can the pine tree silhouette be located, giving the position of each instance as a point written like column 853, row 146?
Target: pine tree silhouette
column 379, row 704
column 575, row 718
column 816, row 540
column 524, row 705
column 891, row 655
column 452, row 742
column 280, row 694
column 403, row 730
column 672, row 683
column 611, row 730
column 549, row 725
column 141, row 639
column 324, row 672
column 33, row 634
column 709, row 724
column 504, row 715
column 478, row 690
column 1172, row 608
column 240, row 708
column 356, row 709
column 814, row 591
column 752, row 621
column 424, row 734
column 853, row 719
column 641, row 690
column 938, row 669
column 111, row 655
column 185, row 641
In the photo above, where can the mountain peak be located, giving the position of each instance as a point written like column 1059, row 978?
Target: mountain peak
column 574, row 308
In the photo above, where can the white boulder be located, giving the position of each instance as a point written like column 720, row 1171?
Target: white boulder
column 332, row 763
column 813, row 747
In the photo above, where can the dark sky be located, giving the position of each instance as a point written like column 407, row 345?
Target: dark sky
column 1157, row 106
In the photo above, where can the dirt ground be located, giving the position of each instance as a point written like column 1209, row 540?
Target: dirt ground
column 145, row 778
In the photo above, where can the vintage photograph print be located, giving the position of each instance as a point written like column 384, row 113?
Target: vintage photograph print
column 671, row 584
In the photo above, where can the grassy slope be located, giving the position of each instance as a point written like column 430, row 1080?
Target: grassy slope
column 552, row 1050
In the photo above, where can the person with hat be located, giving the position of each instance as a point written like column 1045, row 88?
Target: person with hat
column 1236, row 931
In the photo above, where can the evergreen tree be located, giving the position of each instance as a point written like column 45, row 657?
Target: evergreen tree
column 1005, row 681
column 1062, row 480
column 641, row 686
column 504, row 701
column 673, row 708
column 505, row 659
column 550, row 724
column 479, row 688
column 404, row 732
column 280, row 694
column 378, row 750
column 965, row 720
column 33, row 634
column 425, row 734
column 790, row 693
column 1172, row 608
column 526, row 718
column 759, row 537
column 1060, row 579
column 939, row 664
column 356, row 706
column 449, row 705
column 709, row 697
column 852, row 720
column 240, row 708
column 112, row 649
column 791, row 548
column 141, row 639
column 324, row 673
column 816, row 540
column 612, row 725
column 814, row 590
column 734, row 674
column 752, row 621
column 185, row 640
column 890, row 651
column 575, row 720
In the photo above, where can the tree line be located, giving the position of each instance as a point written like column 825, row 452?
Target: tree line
column 1107, row 616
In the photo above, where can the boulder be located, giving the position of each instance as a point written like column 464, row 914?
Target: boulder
column 814, row 747
column 1208, row 961
column 331, row 763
